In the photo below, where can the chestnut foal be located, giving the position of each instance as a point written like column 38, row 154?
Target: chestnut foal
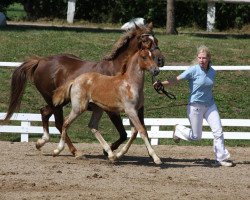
column 120, row 93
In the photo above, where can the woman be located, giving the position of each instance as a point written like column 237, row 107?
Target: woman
column 201, row 78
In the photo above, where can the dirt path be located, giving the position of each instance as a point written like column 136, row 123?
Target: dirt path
column 187, row 173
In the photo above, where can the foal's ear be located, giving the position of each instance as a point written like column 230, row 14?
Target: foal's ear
column 150, row 26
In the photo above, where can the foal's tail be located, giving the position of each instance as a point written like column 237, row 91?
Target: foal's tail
column 62, row 94
column 18, row 83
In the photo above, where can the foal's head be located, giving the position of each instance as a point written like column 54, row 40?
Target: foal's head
column 146, row 62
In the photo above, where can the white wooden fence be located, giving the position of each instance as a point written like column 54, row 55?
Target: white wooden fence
column 163, row 128
column 157, row 127
column 25, row 126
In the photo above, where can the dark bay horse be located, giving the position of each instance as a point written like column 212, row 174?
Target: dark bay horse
column 48, row 73
column 120, row 93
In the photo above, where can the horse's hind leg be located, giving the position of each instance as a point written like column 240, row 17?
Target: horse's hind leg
column 58, row 113
column 95, row 117
column 117, row 121
column 46, row 113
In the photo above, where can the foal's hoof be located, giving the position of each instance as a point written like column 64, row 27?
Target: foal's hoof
column 56, row 152
column 158, row 161
column 112, row 158
column 79, row 155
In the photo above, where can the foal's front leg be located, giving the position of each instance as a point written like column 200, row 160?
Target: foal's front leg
column 126, row 147
column 104, row 144
column 141, row 129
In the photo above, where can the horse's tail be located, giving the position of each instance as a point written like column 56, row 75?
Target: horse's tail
column 62, row 94
column 18, row 83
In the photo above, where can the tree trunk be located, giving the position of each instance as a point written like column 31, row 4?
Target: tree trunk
column 170, row 25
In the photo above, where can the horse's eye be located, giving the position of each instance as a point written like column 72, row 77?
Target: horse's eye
column 144, row 58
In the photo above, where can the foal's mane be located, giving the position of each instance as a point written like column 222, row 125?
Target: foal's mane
column 124, row 40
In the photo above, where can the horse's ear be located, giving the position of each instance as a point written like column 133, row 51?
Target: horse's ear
column 150, row 26
column 136, row 26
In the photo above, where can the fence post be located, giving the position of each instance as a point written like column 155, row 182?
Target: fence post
column 25, row 132
column 71, row 11
column 154, row 129
column 210, row 16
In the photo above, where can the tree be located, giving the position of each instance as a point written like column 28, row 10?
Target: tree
column 170, row 25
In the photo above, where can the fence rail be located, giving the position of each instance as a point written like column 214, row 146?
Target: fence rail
column 155, row 127
column 163, row 128
column 226, row 68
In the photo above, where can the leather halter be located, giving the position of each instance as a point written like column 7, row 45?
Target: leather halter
column 155, row 47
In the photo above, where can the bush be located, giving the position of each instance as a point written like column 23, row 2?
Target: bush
column 187, row 13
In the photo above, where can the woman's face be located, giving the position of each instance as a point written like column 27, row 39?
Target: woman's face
column 203, row 60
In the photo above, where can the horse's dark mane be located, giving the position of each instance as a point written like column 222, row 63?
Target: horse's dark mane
column 124, row 40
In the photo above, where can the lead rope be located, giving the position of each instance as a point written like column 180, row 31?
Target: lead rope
column 161, row 90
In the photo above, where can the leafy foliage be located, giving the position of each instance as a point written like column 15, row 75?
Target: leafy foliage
column 187, row 13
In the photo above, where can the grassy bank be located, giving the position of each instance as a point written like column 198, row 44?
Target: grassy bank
column 231, row 91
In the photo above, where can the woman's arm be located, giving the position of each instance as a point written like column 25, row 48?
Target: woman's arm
column 170, row 82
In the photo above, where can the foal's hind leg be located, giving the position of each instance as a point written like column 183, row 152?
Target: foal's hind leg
column 68, row 121
column 93, row 125
column 46, row 113
column 58, row 113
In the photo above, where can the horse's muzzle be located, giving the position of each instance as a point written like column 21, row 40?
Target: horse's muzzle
column 155, row 71
column 159, row 61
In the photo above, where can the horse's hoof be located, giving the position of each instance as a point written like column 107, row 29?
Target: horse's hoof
column 40, row 143
column 38, row 147
column 105, row 153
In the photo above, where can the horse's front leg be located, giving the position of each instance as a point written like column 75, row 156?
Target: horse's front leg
column 46, row 113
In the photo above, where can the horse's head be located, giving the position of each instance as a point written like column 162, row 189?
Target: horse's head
column 146, row 62
column 139, row 36
column 146, row 39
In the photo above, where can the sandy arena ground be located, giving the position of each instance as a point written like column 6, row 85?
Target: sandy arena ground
column 187, row 173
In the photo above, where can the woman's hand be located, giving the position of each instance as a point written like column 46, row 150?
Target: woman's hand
column 158, row 86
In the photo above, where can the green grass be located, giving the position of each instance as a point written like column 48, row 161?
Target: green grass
column 231, row 91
